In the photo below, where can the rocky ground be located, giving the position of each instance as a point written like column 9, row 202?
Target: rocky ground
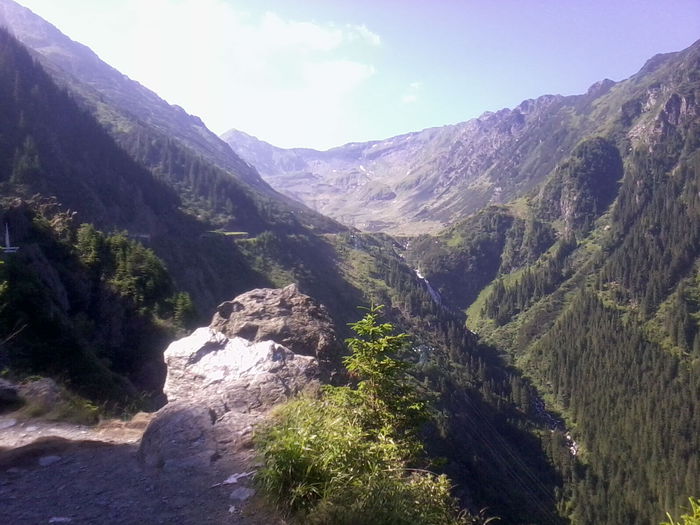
column 62, row 473
column 191, row 462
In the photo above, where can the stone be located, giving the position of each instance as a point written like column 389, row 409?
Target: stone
column 7, row 423
column 44, row 393
column 225, row 374
column 180, row 436
column 45, row 461
column 242, row 494
column 234, row 478
column 283, row 315
column 261, row 349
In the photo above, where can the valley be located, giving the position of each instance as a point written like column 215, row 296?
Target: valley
column 544, row 259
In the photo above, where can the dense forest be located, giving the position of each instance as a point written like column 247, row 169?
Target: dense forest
column 603, row 315
column 89, row 308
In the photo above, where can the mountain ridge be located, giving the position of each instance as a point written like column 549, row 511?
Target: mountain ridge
column 589, row 279
column 154, row 132
column 422, row 181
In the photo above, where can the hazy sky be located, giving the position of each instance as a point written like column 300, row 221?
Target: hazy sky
column 320, row 73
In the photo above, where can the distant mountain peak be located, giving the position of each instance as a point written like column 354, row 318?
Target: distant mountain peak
column 431, row 178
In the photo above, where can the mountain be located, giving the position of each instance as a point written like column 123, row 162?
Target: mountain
column 177, row 147
column 94, row 308
column 580, row 277
column 421, row 182
column 591, row 283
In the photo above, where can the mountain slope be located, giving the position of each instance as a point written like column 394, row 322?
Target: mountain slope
column 82, row 65
column 213, row 182
column 80, row 294
column 422, row 181
column 597, row 303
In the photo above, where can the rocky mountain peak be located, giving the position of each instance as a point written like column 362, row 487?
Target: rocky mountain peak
column 600, row 88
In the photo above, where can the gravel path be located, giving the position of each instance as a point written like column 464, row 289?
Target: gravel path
column 61, row 473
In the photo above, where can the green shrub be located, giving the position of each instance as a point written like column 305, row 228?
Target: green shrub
column 343, row 458
column 688, row 519
column 391, row 497
column 319, row 461
column 314, row 448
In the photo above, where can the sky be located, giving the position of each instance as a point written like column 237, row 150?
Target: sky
column 321, row 73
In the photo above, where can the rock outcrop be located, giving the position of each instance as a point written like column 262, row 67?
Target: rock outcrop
column 260, row 349
column 234, row 374
column 283, row 315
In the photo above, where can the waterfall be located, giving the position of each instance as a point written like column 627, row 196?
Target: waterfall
column 432, row 291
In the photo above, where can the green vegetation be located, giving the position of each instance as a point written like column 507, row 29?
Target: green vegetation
column 507, row 299
column 582, row 186
column 599, row 305
column 92, row 310
column 607, row 327
column 688, row 519
column 70, row 408
column 468, row 256
column 345, row 458
column 485, row 413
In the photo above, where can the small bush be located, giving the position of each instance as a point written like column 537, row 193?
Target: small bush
column 320, row 462
column 342, row 459
column 688, row 519
column 391, row 497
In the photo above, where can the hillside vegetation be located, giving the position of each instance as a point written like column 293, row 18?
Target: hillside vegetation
column 602, row 315
column 571, row 252
column 98, row 303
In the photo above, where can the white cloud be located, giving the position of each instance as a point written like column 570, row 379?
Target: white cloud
column 363, row 32
column 292, row 83
column 411, row 93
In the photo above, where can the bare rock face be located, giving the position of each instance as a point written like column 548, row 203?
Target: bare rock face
column 261, row 349
column 234, row 374
column 181, row 436
column 284, row 316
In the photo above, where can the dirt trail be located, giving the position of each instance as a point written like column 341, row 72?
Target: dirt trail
column 62, row 473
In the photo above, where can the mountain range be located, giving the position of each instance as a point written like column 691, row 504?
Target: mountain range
column 421, row 182
column 545, row 259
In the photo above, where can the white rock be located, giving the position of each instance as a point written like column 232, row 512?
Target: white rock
column 7, row 423
column 233, row 478
column 242, row 493
column 234, row 374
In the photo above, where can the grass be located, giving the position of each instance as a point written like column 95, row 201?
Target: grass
column 693, row 518
column 321, row 465
column 71, row 408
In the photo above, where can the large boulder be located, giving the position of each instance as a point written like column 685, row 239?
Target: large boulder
column 283, row 315
column 180, row 436
column 260, row 349
column 234, row 374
